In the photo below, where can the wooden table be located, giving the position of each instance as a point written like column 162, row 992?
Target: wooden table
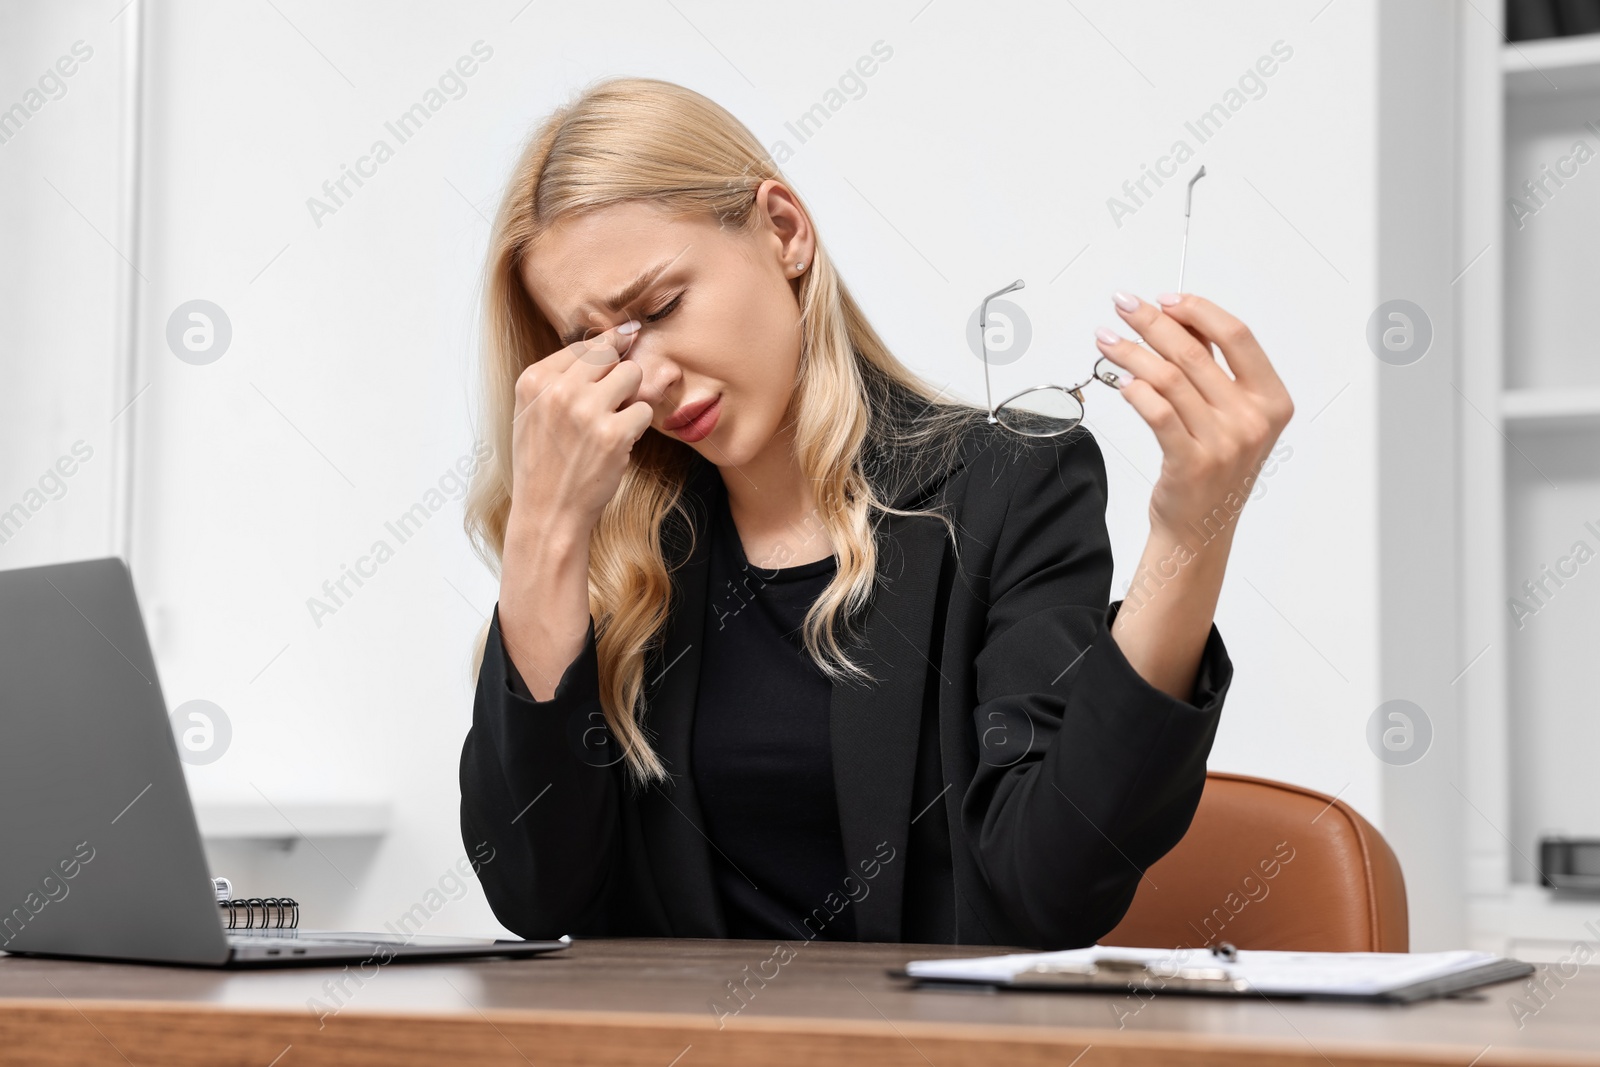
column 651, row 1002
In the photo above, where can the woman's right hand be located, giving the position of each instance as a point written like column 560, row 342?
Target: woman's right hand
column 569, row 440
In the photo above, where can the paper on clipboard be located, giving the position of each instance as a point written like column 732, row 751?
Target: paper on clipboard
column 1381, row 975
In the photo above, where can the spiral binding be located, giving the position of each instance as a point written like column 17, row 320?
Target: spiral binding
column 276, row 913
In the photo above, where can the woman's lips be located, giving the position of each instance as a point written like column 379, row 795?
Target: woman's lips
column 703, row 424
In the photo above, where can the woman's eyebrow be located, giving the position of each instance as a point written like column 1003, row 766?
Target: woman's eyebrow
column 628, row 294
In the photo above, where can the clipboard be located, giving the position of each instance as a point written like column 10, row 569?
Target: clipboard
column 1222, row 970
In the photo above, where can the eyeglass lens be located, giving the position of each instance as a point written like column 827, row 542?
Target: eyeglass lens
column 1021, row 413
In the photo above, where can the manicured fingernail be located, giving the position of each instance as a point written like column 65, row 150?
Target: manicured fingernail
column 631, row 326
column 1168, row 299
column 1125, row 302
column 1106, row 337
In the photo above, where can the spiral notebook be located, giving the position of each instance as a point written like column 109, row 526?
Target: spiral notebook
column 255, row 913
column 260, row 913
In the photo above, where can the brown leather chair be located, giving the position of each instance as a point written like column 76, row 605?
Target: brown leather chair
column 1268, row 865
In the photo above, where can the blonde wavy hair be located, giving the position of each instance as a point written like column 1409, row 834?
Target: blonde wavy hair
column 643, row 139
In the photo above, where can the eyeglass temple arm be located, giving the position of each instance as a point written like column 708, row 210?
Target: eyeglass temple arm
column 983, row 339
column 1188, row 203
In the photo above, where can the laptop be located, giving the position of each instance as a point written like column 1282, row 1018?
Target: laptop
column 100, row 851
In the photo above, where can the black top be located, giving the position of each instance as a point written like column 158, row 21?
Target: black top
column 760, row 757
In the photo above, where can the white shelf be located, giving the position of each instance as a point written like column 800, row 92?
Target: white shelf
column 1534, row 924
column 287, row 822
column 1547, row 91
column 1555, row 64
column 1550, row 407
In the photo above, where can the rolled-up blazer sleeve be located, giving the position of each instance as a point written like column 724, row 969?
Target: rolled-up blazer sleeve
column 1088, row 773
column 549, row 814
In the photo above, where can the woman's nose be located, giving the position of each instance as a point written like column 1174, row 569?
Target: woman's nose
column 659, row 371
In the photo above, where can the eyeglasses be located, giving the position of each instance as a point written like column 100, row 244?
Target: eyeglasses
column 1020, row 412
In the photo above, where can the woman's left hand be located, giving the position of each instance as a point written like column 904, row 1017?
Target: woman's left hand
column 1215, row 431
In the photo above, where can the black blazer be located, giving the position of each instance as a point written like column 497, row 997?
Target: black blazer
column 1006, row 781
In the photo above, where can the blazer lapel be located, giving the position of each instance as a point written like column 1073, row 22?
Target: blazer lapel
column 875, row 729
column 674, row 828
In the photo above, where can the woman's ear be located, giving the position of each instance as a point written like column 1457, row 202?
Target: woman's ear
column 790, row 229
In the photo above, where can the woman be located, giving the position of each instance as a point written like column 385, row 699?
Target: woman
column 787, row 646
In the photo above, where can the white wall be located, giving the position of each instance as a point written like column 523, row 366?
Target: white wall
column 985, row 148
column 59, row 203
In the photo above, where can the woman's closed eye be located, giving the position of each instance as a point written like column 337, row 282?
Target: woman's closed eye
column 652, row 317
column 671, row 305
